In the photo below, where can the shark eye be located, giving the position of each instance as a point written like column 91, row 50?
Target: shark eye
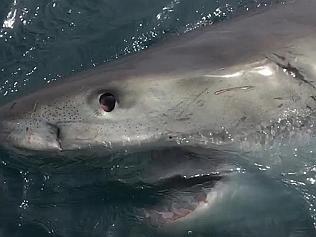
column 107, row 102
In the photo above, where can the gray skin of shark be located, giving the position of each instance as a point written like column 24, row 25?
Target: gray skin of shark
column 246, row 82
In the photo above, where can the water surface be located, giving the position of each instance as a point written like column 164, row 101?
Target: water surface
column 43, row 41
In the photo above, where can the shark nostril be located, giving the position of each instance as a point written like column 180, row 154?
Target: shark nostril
column 55, row 129
column 58, row 139
column 58, row 133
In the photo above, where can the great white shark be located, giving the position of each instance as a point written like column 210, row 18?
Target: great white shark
column 237, row 84
column 244, row 84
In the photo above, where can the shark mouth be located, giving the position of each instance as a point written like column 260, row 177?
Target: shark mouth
column 188, row 197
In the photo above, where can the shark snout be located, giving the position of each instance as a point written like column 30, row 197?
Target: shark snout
column 4, row 133
column 30, row 135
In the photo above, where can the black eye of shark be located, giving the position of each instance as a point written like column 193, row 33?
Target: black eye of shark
column 107, row 102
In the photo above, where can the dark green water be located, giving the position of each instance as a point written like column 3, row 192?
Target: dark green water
column 42, row 41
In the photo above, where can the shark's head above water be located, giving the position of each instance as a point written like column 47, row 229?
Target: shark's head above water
column 76, row 116
column 227, row 80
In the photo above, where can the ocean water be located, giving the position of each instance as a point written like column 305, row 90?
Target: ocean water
column 44, row 41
